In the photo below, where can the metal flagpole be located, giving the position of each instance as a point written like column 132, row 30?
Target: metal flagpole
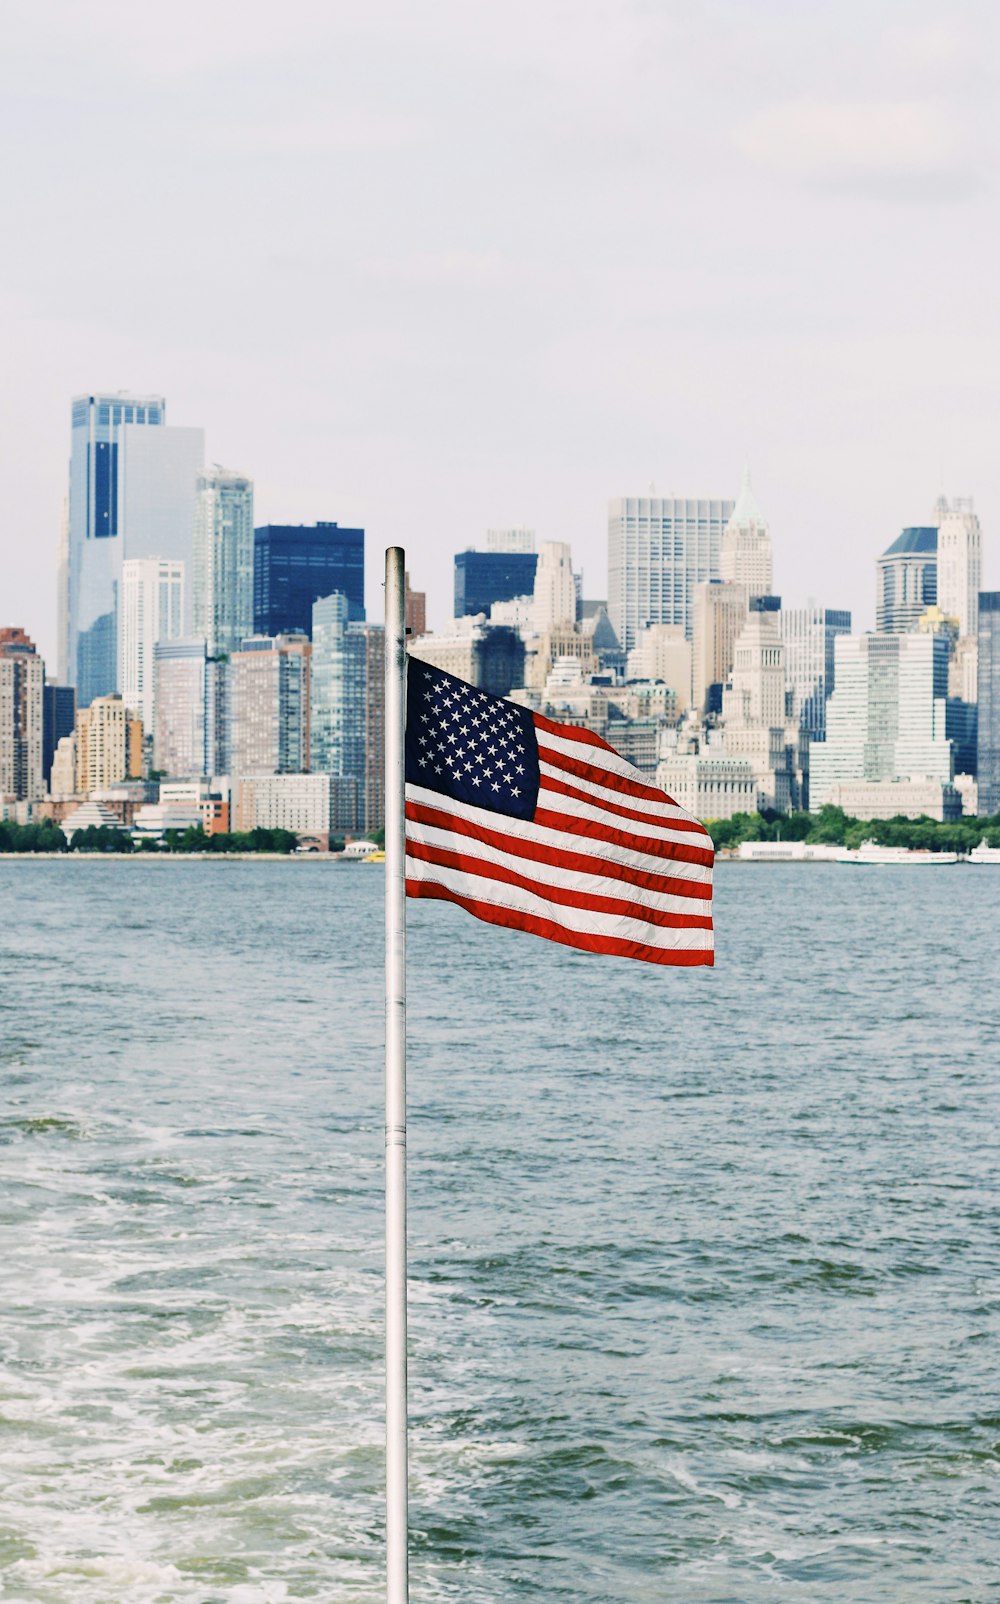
column 397, row 1578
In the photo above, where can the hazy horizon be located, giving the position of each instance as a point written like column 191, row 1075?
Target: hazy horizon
column 486, row 266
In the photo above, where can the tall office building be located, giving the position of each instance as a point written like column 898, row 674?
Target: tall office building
column 191, row 733
column 131, row 494
column 554, row 593
column 753, row 711
column 959, row 563
column 746, row 557
column 907, row 580
column 662, row 653
column 659, row 549
column 223, row 559
column 22, row 682
column 62, row 597
column 989, row 702
column 485, row 577
column 150, row 609
column 108, row 745
column 270, row 705
column 808, row 634
column 58, row 720
column 296, row 564
column 347, row 720
column 719, row 612
column 508, row 540
column 886, row 721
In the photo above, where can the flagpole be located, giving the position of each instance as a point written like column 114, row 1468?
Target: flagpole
column 397, row 1578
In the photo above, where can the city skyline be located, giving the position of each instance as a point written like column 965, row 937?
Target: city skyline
column 559, row 280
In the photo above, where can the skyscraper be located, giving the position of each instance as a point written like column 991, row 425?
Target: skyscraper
column 416, row 609
column 191, row 734
column 108, row 744
column 959, row 563
column 810, row 667
column 296, row 564
column 753, row 711
column 485, row 577
column 989, row 701
column 150, row 609
column 58, row 720
column 554, row 593
column 659, row 549
column 745, row 556
column 347, row 718
column 719, row 612
column 22, row 680
column 131, row 494
column 519, row 539
column 223, row 559
column 270, row 705
column 886, row 719
column 907, row 580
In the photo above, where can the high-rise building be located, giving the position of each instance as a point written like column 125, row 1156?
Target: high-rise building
column 489, row 656
column 989, row 702
column 808, row 634
column 347, row 722
column 192, row 694
column 959, row 563
column 416, row 609
column 270, row 705
column 150, row 609
column 659, row 549
column 510, row 540
column 296, row 564
column 754, row 713
column 662, row 653
column 718, row 614
column 745, row 556
column 907, row 580
column 886, row 720
column 485, row 577
column 22, row 681
column 62, row 597
column 223, row 559
column 108, row 744
column 554, row 593
column 58, row 720
column 131, row 494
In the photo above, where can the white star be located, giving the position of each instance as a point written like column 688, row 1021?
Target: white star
column 520, row 768
column 423, row 762
column 476, row 780
column 495, row 786
column 437, row 768
column 515, row 791
column 492, row 751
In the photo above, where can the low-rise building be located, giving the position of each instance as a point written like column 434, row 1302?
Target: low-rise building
column 308, row 804
column 890, row 799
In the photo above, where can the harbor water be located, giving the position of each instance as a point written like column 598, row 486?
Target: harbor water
column 705, row 1296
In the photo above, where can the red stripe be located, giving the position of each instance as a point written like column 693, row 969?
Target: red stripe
column 514, row 919
column 661, row 821
column 587, row 901
column 571, row 825
column 571, row 732
column 607, row 868
column 613, row 782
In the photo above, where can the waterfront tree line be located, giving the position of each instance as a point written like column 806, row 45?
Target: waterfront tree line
column 46, row 836
column 833, row 827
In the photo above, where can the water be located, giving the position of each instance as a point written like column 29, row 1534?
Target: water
column 705, row 1291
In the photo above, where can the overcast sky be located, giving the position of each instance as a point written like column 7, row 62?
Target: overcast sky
column 435, row 268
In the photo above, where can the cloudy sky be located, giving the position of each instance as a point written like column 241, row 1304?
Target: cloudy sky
column 437, row 268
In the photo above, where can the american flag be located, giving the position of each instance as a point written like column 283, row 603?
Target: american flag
column 543, row 827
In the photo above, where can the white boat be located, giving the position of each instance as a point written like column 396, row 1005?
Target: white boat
column 984, row 854
column 869, row 853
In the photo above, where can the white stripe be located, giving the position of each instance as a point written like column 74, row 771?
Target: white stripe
column 527, row 830
column 664, row 811
column 579, row 920
column 550, row 874
column 593, row 810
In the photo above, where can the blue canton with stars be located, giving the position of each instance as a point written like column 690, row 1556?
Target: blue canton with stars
column 469, row 745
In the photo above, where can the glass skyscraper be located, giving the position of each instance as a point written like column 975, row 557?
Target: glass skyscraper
column 131, row 494
column 907, row 580
column 223, row 559
column 347, row 720
column 296, row 564
column 485, row 577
